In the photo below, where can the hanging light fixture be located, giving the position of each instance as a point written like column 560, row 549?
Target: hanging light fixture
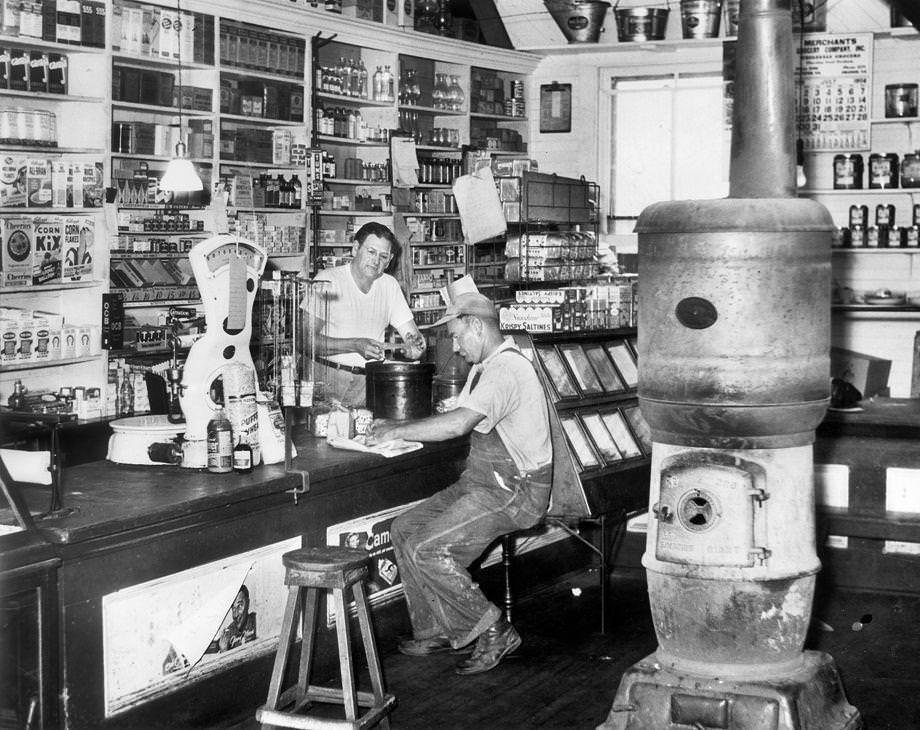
column 180, row 175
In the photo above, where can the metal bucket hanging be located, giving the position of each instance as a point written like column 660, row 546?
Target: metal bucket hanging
column 581, row 21
column 641, row 24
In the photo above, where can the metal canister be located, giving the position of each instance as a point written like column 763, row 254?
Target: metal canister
column 859, row 215
column 858, row 236
column 883, row 170
column 884, row 214
column 910, row 170
column 848, row 172
column 900, row 100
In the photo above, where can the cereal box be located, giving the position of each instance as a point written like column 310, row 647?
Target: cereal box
column 38, row 182
column 48, row 236
column 16, row 237
column 13, row 181
column 78, row 242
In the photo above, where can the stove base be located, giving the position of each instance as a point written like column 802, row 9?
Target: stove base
column 652, row 697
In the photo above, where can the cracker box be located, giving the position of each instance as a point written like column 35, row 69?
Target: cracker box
column 13, row 185
column 48, row 237
column 9, row 340
column 42, row 344
column 26, row 341
column 38, row 182
column 78, row 248
column 84, row 345
column 69, row 341
column 16, row 237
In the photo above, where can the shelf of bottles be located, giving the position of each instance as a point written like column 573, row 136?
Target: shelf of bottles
column 432, row 101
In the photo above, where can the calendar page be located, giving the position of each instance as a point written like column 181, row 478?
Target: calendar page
column 833, row 94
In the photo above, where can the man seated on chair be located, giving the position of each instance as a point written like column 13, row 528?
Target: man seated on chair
column 504, row 487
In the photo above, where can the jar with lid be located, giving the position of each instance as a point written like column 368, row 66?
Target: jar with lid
column 900, row 100
column 884, row 214
column 859, row 215
column 910, row 170
column 883, row 170
column 848, row 172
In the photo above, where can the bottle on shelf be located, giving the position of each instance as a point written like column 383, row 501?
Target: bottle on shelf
column 125, row 394
column 242, row 457
column 17, row 399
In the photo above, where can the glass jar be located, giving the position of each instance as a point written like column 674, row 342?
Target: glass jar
column 900, row 100
column 848, row 172
column 883, row 170
column 910, row 170
column 455, row 95
column 440, row 92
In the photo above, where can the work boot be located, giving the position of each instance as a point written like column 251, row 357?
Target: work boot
column 491, row 647
column 433, row 645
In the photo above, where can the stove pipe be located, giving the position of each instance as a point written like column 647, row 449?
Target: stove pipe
column 734, row 377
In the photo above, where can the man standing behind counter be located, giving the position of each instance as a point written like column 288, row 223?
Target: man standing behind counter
column 362, row 300
column 504, row 487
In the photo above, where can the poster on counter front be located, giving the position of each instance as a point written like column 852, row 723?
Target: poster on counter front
column 164, row 633
column 372, row 533
column 832, row 80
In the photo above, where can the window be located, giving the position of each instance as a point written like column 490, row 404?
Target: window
column 670, row 140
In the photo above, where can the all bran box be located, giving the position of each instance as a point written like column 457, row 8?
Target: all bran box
column 48, row 237
column 18, row 252
column 78, row 243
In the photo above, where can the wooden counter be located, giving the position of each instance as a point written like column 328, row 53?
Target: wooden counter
column 130, row 525
column 879, row 447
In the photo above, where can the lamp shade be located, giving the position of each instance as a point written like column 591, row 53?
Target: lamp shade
column 180, row 175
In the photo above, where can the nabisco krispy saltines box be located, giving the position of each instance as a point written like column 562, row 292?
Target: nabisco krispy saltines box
column 48, row 236
column 9, row 340
column 16, row 259
column 79, row 238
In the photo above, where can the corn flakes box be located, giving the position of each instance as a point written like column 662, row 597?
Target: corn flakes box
column 78, row 248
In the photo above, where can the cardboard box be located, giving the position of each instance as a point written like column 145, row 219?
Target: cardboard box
column 48, row 236
column 867, row 373
column 13, row 185
column 38, row 182
column 77, row 248
column 18, row 251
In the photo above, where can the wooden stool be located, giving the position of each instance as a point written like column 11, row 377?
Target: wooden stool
column 307, row 572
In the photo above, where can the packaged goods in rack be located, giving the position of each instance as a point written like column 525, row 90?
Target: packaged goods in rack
column 276, row 236
column 28, row 127
column 65, row 181
column 78, row 22
column 250, row 47
column 32, row 69
column 159, row 32
column 33, row 336
column 599, row 306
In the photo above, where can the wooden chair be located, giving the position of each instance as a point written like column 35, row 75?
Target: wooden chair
column 309, row 571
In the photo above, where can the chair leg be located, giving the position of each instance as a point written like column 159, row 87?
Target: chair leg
column 291, row 609
column 342, row 631
column 308, row 633
column 507, row 542
column 370, row 643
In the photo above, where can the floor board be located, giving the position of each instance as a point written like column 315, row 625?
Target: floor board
column 566, row 673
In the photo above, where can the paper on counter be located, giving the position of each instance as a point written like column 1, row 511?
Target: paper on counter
column 404, row 161
column 387, row 449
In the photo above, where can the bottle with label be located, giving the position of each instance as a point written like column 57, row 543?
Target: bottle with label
column 17, row 399
column 220, row 443
column 126, row 395
column 242, row 457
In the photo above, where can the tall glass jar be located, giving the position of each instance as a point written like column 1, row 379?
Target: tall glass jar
column 455, row 94
column 440, row 92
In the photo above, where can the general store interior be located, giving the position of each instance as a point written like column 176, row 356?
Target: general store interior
column 303, row 121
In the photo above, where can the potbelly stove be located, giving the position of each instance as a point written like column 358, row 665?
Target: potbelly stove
column 734, row 336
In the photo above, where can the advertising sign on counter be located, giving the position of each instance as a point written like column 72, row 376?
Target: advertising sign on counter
column 372, row 533
column 162, row 634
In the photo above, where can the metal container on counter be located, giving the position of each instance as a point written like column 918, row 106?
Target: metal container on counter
column 399, row 390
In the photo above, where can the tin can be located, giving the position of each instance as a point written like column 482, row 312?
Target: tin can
column 859, row 215
column 883, row 170
column 858, row 236
column 872, row 237
column 848, row 172
column 884, row 214
column 910, row 170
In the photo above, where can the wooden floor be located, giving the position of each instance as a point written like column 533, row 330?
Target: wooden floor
column 566, row 672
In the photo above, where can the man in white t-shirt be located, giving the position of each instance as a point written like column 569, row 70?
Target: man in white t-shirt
column 362, row 302
column 504, row 487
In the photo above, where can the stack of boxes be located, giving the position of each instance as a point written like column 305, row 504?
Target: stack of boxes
column 31, row 336
column 148, row 30
column 77, row 22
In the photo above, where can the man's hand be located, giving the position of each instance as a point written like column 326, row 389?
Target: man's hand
column 368, row 349
column 414, row 346
column 379, row 431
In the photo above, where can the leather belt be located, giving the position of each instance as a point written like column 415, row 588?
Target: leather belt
column 339, row 366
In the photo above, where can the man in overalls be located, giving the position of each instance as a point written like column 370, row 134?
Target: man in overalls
column 504, row 487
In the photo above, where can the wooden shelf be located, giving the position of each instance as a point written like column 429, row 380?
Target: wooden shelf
column 258, row 165
column 171, row 111
column 862, row 191
column 169, row 64
column 21, row 40
column 262, row 75
column 33, row 149
column 49, row 287
column 331, row 139
column 348, row 213
column 353, row 100
column 47, row 210
column 356, row 182
column 52, row 97
column 260, row 121
column 887, row 249
column 160, row 158
column 13, row 366
column 497, row 117
column 431, row 110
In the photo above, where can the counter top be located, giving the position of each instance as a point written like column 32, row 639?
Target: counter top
column 880, row 417
column 102, row 498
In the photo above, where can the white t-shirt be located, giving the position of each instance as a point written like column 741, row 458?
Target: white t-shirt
column 352, row 313
column 509, row 395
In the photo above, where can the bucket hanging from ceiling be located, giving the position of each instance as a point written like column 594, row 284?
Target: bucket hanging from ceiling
column 581, row 21
column 641, row 23
column 700, row 18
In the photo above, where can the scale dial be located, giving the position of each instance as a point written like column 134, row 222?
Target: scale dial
column 220, row 256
